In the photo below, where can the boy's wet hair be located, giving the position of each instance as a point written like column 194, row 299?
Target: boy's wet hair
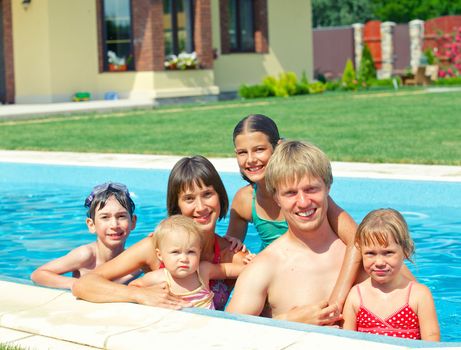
column 380, row 224
column 190, row 171
column 257, row 123
column 101, row 193
column 177, row 223
column 293, row 160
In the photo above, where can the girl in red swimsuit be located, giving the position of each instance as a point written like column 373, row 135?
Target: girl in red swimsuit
column 388, row 303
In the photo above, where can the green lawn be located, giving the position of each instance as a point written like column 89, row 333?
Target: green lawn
column 410, row 126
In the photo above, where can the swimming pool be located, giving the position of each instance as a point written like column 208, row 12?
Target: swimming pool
column 43, row 217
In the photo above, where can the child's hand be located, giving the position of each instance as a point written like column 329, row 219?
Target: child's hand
column 248, row 258
column 236, row 244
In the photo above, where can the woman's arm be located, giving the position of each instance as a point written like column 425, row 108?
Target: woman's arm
column 220, row 271
column 98, row 286
column 149, row 279
column 343, row 224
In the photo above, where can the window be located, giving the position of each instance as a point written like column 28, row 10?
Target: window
column 241, row 25
column 178, row 26
column 117, row 35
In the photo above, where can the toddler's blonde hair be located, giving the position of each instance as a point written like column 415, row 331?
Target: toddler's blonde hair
column 174, row 223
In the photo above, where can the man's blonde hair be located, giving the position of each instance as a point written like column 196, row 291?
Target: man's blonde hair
column 379, row 225
column 292, row 160
column 173, row 224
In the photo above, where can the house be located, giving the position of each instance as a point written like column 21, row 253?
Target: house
column 51, row 49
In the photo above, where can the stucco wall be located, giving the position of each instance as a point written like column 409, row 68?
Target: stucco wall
column 56, row 55
column 290, row 47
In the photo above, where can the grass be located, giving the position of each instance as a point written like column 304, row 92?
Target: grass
column 10, row 347
column 409, row 126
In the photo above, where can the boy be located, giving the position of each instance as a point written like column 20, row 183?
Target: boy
column 111, row 217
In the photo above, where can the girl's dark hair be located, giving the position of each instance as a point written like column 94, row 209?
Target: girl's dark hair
column 190, row 171
column 257, row 123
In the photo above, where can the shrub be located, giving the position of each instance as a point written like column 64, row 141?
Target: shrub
column 332, row 85
column 271, row 84
column 348, row 80
column 383, row 82
column 285, row 86
column 254, row 91
column 302, row 88
column 316, row 88
column 448, row 81
column 367, row 70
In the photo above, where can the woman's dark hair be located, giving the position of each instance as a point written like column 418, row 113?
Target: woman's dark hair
column 190, row 171
column 257, row 123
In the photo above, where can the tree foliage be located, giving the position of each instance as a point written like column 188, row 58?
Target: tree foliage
column 327, row 13
column 402, row 11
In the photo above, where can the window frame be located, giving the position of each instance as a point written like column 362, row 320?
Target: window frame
column 104, row 47
column 238, row 27
column 189, row 13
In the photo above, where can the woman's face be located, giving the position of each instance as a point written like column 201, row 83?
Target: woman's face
column 201, row 203
column 253, row 151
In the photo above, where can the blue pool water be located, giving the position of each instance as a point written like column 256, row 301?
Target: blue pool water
column 42, row 217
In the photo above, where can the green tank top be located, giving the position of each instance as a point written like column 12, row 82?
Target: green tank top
column 268, row 230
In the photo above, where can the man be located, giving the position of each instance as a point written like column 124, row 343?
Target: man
column 298, row 271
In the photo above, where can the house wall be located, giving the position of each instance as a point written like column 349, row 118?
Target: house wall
column 290, row 47
column 56, row 54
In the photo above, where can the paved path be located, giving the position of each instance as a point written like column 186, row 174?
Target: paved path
column 15, row 111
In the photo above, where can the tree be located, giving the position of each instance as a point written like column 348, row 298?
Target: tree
column 402, row 11
column 328, row 13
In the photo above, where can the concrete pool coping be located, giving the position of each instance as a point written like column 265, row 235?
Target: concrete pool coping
column 42, row 318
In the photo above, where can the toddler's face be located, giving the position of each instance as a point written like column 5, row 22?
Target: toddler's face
column 180, row 253
column 112, row 224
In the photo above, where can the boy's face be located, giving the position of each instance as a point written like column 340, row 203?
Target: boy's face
column 304, row 203
column 112, row 224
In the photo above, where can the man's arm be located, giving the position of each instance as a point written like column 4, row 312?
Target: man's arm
column 345, row 227
column 251, row 289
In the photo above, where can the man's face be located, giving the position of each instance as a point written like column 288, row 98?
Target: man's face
column 303, row 202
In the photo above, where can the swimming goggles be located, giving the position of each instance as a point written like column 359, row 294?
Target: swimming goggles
column 104, row 187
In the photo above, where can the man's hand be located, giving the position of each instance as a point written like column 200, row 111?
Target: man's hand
column 320, row 314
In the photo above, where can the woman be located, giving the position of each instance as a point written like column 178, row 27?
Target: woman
column 195, row 189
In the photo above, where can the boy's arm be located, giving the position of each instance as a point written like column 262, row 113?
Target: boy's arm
column 428, row 323
column 251, row 288
column 350, row 310
column 149, row 279
column 345, row 227
column 50, row 274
